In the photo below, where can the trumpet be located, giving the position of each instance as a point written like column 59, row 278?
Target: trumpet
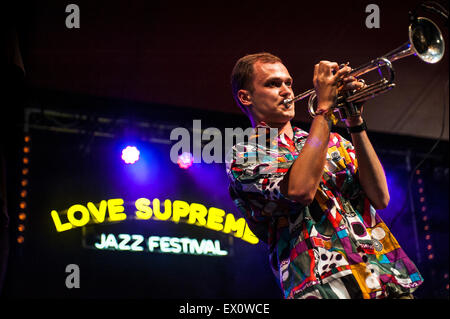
column 425, row 41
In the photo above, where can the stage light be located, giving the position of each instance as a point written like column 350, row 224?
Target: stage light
column 185, row 160
column 130, row 154
column 20, row 239
column 22, row 216
column 21, row 228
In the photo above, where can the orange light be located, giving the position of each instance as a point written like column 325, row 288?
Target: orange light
column 418, row 172
column 26, row 160
column 27, row 138
column 427, row 237
column 422, row 199
column 21, row 227
column 26, row 149
column 425, row 218
column 429, row 247
column 426, row 227
column 22, row 205
column 20, row 239
column 430, row 256
column 23, row 194
column 24, row 182
column 22, row 216
column 25, row 171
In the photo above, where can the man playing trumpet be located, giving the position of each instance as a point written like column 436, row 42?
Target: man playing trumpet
column 314, row 200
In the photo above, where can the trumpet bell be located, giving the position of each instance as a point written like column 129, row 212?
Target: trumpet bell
column 426, row 40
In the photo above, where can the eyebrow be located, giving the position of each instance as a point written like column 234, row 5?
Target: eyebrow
column 276, row 78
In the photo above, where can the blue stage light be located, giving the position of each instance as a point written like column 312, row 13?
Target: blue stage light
column 130, row 154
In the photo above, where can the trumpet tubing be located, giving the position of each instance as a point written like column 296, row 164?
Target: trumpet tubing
column 425, row 41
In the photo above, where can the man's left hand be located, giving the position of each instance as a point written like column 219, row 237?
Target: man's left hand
column 351, row 83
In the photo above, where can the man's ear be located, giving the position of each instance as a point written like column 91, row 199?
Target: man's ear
column 244, row 97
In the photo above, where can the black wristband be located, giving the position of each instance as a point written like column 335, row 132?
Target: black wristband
column 358, row 128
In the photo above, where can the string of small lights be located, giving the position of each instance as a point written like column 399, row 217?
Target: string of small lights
column 426, row 222
column 25, row 170
column 424, row 215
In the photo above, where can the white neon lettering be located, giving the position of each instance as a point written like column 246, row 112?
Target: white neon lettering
column 164, row 244
column 185, row 242
column 138, row 239
column 217, row 249
column 101, row 245
column 153, row 242
column 175, row 243
column 111, row 242
column 123, row 244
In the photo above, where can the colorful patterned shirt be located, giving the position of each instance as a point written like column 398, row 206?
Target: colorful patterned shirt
column 336, row 247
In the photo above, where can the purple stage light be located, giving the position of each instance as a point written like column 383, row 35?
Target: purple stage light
column 185, row 160
column 130, row 154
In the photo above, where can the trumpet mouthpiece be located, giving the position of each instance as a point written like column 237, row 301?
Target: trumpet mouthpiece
column 287, row 103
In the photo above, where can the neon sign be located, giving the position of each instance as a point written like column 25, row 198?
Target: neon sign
column 172, row 245
column 113, row 210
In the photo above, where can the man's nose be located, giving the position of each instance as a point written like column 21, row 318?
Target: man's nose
column 285, row 90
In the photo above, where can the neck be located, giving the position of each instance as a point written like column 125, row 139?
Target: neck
column 285, row 128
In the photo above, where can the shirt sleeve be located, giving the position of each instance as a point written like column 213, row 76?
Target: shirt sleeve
column 255, row 175
column 257, row 171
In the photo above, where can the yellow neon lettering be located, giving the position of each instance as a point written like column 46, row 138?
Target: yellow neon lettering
column 100, row 213
column 85, row 217
column 167, row 209
column 249, row 236
column 198, row 213
column 231, row 224
column 215, row 219
column 143, row 209
column 180, row 209
column 59, row 226
column 115, row 209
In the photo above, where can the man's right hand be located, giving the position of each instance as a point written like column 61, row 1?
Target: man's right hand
column 326, row 83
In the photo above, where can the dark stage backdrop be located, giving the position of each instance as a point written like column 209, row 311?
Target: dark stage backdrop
column 64, row 173
column 67, row 169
